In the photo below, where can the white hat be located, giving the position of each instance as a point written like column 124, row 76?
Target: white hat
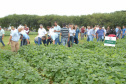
column 103, row 27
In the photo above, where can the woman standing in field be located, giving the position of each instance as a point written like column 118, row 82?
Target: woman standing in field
column 72, row 33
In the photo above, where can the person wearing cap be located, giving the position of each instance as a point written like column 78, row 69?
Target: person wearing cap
column 2, row 35
column 57, row 29
column 14, row 38
column 41, row 35
column 92, row 32
column 100, row 34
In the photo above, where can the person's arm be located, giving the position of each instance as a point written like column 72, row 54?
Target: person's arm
column 104, row 34
column 96, row 35
column 27, row 41
column 53, row 41
column 9, row 40
column 2, row 36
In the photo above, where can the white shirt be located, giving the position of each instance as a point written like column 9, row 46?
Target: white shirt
column 15, row 35
column 54, row 36
column 72, row 32
column 41, row 32
column 51, row 31
column 2, row 32
column 57, row 28
column 88, row 32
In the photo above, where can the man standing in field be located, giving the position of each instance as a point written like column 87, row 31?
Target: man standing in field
column 26, row 29
column 100, row 34
column 14, row 38
column 57, row 29
column 41, row 35
column 51, row 30
column 65, row 35
column 123, row 32
column 2, row 35
column 93, row 35
column 82, row 32
column 77, row 34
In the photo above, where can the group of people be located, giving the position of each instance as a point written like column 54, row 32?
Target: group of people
column 66, row 36
column 100, row 32
column 57, row 35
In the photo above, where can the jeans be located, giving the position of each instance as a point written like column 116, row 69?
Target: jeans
column 119, row 36
column 64, row 41
column 49, row 40
column 88, row 38
column 91, row 38
column 82, row 36
column 23, row 42
column 36, row 42
column 2, row 41
column 100, row 38
column 71, row 41
column 40, row 41
column 57, row 40
column 123, row 36
column 76, row 40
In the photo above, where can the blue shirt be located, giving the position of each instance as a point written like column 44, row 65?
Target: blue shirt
column 57, row 28
column 77, row 32
column 100, row 32
column 92, row 31
column 123, row 30
column 15, row 35
column 25, row 36
column 116, row 30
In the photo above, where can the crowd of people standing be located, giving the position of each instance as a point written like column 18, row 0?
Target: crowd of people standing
column 67, row 35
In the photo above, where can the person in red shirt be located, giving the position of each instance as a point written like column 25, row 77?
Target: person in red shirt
column 82, row 32
column 26, row 29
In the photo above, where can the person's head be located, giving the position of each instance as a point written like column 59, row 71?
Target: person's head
column 64, row 25
column 12, row 27
column 0, row 27
column 100, row 27
column 52, row 26
column 41, row 26
column 108, row 28
column 25, row 26
column 48, row 27
column 55, row 23
column 123, row 27
column 20, row 28
column 73, row 27
column 103, row 27
column 94, row 28
column 76, row 26
column 119, row 27
column 70, row 25
column 82, row 27
column 88, row 27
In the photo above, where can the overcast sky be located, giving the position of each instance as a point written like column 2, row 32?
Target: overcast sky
column 60, row 7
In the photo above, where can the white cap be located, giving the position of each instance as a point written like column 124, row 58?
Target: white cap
column 103, row 27
column 41, row 25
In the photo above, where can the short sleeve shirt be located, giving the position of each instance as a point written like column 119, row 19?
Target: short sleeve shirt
column 100, row 32
column 2, row 32
column 57, row 28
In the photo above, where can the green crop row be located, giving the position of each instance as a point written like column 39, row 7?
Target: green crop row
column 88, row 63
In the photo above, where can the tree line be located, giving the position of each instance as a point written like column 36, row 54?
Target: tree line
column 114, row 19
